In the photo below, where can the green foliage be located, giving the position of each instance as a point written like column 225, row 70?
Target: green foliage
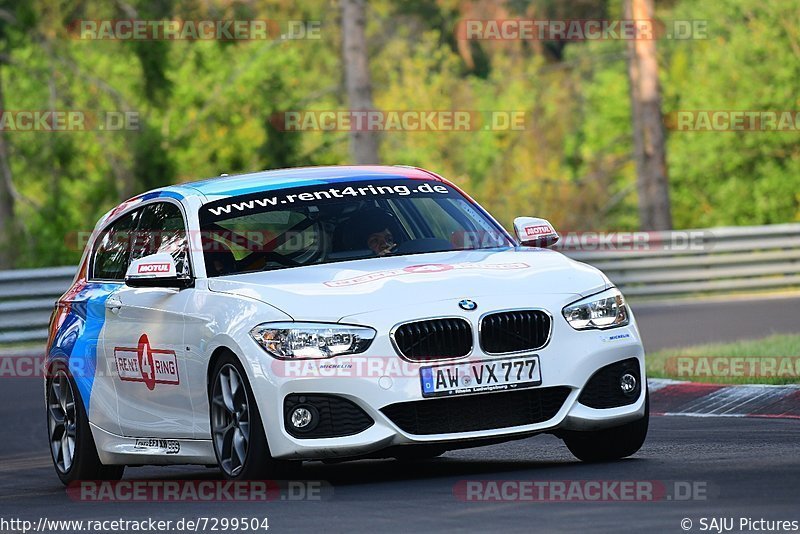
column 751, row 61
column 208, row 107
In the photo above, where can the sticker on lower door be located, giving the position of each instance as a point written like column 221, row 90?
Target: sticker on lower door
column 165, row 446
column 147, row 365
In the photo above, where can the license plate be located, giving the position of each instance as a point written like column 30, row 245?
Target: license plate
column 476, row 377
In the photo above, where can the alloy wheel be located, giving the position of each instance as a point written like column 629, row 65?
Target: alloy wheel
column 230, row 420
column 62, row 423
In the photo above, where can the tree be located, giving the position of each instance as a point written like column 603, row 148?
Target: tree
column 13, row 18
column 648, row 127
column 7, row 208
column 152, row 166
column 363, row 144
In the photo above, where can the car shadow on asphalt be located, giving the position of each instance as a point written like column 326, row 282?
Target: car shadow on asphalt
column 363, row 472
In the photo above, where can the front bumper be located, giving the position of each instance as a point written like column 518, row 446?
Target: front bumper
column 568, row 361
column 385, row 434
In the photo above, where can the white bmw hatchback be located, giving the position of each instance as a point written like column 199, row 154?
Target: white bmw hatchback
column 331, row 313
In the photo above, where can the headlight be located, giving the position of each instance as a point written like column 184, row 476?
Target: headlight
column 604, row 310
column 296, row 341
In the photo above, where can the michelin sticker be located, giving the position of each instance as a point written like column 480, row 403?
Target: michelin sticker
column 610, row 338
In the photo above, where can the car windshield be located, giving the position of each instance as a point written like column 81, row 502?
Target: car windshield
column 337, row 222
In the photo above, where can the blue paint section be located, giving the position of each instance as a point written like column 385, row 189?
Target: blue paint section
column 285, row 178
column 225, row 186
column 267, row 186
column 162, row 194
column 255, row 186
column 77, row 339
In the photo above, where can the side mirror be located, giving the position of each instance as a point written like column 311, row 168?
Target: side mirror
column 157, row 270
column 535, row 232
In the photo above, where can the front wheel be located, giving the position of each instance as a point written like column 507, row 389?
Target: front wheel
column 72, row 446
column 611, row 443
column 237, row 433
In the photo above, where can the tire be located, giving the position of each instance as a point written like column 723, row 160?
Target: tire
column 612, row 443
column 72, row 446
column 237, row 432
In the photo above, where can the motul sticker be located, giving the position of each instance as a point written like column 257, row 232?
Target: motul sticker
column 146, row 364
column 154, row 268
column 543, row 229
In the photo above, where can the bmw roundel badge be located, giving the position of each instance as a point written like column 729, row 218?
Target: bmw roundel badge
column 467, row 305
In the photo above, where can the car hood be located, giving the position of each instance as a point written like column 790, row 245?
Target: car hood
column 333, row 291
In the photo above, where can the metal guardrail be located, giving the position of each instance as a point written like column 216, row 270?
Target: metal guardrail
column 26, row 302
column 665, row 264
column 712, row 261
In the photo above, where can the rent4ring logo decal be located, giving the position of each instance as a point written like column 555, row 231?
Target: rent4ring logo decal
column 429, row 268
column 146, row 364
column 321, row 194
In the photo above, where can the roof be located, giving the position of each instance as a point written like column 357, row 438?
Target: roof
column 242, row 184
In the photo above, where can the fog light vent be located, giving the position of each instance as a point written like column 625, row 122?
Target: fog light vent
column 313, row 416
column 617, row 384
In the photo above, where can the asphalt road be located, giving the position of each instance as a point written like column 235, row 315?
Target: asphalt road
column 681, row 323
column 739, row 467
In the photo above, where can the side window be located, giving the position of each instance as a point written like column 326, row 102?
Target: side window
column 163, row 229
column 112, row 253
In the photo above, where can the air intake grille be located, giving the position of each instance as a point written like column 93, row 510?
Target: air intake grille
column 470, row 413
column 603, row 389
column 333, row 416
column 434, row 339
column 514, row 331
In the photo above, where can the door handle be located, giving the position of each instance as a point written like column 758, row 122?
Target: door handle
column 114, row 304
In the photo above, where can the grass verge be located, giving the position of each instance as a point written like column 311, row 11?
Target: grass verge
column 770, row 360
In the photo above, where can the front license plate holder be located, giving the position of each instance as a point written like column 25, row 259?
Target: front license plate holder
column 462, row 378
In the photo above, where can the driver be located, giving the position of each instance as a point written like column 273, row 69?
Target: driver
column 377, row 229
column 381, row 243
